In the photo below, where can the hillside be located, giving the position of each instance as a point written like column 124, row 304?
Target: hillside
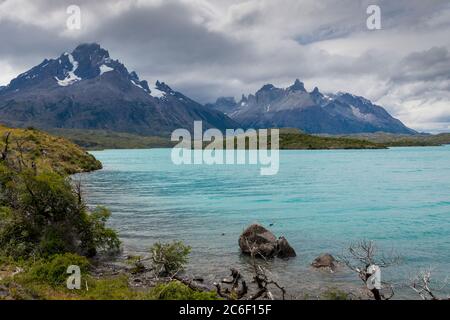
column 104, row 139
column 301, row 141
column 290, row 139
column 294, row 139
column 46, row 151
column 398, row 140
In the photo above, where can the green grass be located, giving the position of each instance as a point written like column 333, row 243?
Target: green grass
column 45, row 280
column 46, row 151
column 335, row 294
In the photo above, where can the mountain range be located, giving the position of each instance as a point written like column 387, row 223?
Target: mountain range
column 87, row 89
column 312, row 112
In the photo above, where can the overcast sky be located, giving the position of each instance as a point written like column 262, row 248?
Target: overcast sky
column 211, row 48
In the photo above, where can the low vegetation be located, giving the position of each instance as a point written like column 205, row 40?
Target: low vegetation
column 301, row 141
column 45, row 279
column 399, row 140
column 169, row 258
column 289, row 139
column 44, row 152
column 45, row 227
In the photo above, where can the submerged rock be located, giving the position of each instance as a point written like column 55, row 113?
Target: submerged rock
column 325, row 260
column 263, row 242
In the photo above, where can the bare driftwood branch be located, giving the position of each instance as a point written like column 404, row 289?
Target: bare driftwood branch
column 261, row 277
column 422, row 285
column 236, row 292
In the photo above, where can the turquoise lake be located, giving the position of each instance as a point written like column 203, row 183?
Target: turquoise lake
column 320, row 201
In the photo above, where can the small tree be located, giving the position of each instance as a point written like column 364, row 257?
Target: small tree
column 169, row 258
column 363, row 258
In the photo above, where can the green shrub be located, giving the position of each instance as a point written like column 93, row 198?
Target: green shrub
column 53, row 271
column 42, row 215
column 101, row 237
column 176, row 290
column 169, row 258
column 335, row 294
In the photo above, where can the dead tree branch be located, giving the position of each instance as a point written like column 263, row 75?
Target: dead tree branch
column 363, row 258
column 422, row 285
column 4, row 154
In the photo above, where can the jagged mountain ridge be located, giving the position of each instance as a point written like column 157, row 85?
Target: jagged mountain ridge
column 312, row 112
column 86, row 89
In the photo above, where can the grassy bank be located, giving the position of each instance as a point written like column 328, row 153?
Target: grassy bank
column 45, row 152
column 45, row 226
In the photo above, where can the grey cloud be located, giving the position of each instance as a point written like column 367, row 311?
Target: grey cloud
column 167, row 35
column 25, row 45
column 230, row 53
column 431, row 65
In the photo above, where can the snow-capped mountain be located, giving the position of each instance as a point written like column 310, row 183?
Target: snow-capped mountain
column 312, row 112
column 87, row 89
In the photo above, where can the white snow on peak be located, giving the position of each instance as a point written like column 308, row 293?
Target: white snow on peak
column 70, row 76
column 137, row 84
column 104, row 68
column 157, row 93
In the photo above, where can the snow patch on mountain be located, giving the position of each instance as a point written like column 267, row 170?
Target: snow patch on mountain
column 104, row 68
column 71, row 77
column 137, row 84
column 155, row 92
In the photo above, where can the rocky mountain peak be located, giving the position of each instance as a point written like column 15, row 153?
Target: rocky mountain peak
column 297, row 86
column 266, row 87
column 90, row 51
column 162, row 86
column 87, row 89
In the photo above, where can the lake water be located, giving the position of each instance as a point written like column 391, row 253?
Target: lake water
column 320, row 201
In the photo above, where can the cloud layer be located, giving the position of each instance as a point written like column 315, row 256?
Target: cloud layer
column 211, row 48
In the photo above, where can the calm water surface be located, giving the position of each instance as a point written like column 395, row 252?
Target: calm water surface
column 320, row 201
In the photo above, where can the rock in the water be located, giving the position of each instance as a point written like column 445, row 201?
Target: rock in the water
column 284, row 249
column 325, row 260
column 262, row 242
column 258, row 239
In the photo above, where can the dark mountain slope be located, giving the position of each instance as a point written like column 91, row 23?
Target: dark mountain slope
column 86, row 89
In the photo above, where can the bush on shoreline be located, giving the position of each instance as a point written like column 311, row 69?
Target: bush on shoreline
column 41, row 215
column 169, row 258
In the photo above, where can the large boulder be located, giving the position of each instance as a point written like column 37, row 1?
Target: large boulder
column 262, row 242
column 285, row 250
column 259, row 240
column 325, row 261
